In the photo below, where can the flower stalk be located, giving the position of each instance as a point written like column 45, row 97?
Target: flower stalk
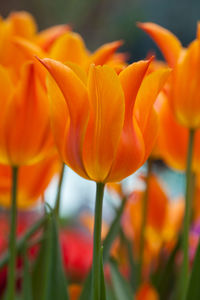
column 144, row 220
column 96, row 267
column 59, row 190
column 12, row 242
column 188, row 205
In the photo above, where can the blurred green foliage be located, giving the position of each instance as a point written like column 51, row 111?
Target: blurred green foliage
column 100, row 21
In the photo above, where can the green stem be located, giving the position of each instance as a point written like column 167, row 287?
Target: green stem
column 10, row 294
column 144, row 220
column 96, row 267
column 188, row 205
column 58, row 196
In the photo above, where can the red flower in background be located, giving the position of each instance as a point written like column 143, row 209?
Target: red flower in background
column 76, row 249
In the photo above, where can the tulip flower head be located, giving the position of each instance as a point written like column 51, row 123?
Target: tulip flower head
column 104, row 124
column 24, row 118
column 184, row 94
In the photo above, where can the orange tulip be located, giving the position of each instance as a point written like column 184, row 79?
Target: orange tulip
column 163, row 220
column 170, row 131
column 22, row 25
column 104, row 126
column 25, row 136
column 51, row 43
column 184, row 93
column 46, row 38
column 32, row 182
column 17, row 24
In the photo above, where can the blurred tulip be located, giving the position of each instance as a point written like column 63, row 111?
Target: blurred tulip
column 75, row 51
column 24, row 119
column 76, row 247
column 164, row 220
column 46, row 38
column 90, row 139
column 22, row 25
column 184, row 94
column 170, row 131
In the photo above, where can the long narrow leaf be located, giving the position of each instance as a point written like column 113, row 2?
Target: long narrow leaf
column 120, row 286
column 103, row 287
column 26, row 284
column 193, row 291
column 113, row 231
column 49, row 282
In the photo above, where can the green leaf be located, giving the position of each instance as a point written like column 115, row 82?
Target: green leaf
column 120, row 286
column 132, row 264
column 113, row 231
column 109, row 292
column 86, row 291
column 49, row 282
column 193, row 291
column 26, row 284
column 163, row 279
column 103, row 287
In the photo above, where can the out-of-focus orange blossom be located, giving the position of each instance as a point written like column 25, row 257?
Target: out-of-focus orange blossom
column 75, row 52
column 22, row 25
column 184, row 93
column 164, row 219
column 25, row 134
column 170, row 131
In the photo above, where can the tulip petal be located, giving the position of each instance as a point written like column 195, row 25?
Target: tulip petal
column 76, row 112
column 29, row 139
column 129, row 155
column 23, row 24
column 168, row 43
column 147, row 95
column 27, row 50
column 170, row 132
column 106, row 121
column 185, row 90
column 6, row 92
column 144, row 111
column 47, row 37
column 130, row 152
column 104, row 53
column 69, row 47
column 131, row 78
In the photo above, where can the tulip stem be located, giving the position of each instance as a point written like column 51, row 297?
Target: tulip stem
column 188, row 204
column 58, row 196
column 144, row 220
column 10, row 293
column 96, row 267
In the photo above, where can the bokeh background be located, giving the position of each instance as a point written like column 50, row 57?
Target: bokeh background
column 101, row 21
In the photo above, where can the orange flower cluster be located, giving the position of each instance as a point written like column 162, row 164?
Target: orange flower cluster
column 102, row 117
column 179, row 108
column 101, row 109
